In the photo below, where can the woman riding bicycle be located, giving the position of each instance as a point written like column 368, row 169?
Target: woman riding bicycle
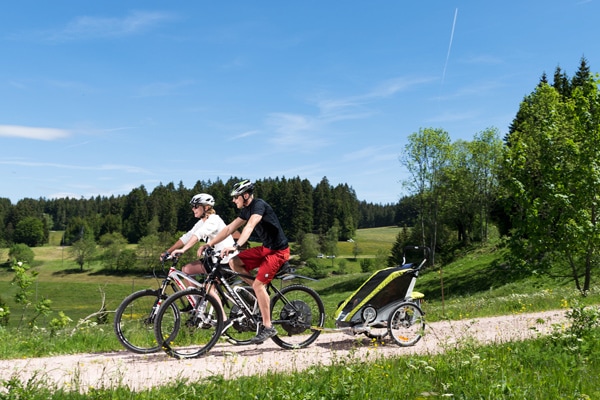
column 208, row 226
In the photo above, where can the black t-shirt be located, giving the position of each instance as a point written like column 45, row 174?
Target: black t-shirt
column 269, row 229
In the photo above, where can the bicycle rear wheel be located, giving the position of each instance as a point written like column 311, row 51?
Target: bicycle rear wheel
column 298, row 315
column 192, row 333
column 134, row 321
column 406, row 324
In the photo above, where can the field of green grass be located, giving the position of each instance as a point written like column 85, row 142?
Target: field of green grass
column 476, row 285
column 79, row 293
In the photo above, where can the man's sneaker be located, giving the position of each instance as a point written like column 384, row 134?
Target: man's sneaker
column 263, row 335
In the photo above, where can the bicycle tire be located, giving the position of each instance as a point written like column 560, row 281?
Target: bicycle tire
column 134, row 321
column 296, row 310
column 192, row 333
column 406, row 324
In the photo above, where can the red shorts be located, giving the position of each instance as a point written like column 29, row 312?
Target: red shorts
column 266, row 260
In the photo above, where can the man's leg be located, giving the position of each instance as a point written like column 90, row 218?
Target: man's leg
column 256, row 258
column 262, row 296
column 260, row 290
column 238, row 266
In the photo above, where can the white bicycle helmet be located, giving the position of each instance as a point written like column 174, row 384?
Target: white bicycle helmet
column 242, row 187
column 202, row 198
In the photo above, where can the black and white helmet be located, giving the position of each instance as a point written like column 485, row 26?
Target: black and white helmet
column 202, row 198
column 242, row 187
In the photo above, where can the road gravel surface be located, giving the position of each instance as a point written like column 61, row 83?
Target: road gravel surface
column 138, row 372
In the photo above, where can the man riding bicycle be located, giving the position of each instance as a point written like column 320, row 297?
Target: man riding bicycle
column 257, row 217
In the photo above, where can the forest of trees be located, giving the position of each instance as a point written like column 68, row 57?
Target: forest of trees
column 301, row 208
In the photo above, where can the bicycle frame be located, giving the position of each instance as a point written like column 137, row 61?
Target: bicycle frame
column 177, row 280
column 216, row 279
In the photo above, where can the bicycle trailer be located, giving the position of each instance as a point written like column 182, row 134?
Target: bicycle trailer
column 375, row 305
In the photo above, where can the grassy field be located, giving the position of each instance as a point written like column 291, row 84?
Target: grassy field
column 564, row 365
column 79, row 293
column 475, row 285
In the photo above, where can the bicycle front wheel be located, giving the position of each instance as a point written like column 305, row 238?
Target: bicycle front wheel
column 190, row 333
column 298, row 315
column 134, row 321
column 406, row 324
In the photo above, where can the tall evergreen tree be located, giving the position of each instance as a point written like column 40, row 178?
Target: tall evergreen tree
column 561, row 82
column 135, row 215
column 583, row 74
column 323, row 207
column 163, row 205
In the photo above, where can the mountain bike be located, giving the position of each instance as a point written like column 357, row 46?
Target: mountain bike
column 134, row 318
column 297, row 312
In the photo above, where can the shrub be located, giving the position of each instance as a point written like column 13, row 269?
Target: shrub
column 21, row 252
column 315, row 270
column 126, row 260
column 366, row 264
column 4, row 313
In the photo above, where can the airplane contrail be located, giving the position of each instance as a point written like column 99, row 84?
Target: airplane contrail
column 449, row 46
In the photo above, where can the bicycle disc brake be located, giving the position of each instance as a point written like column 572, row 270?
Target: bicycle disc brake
column 297, row 317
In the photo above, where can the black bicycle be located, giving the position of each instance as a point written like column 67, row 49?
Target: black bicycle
column 223, row 307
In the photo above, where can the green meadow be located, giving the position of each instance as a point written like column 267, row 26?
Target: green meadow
column 479, row 283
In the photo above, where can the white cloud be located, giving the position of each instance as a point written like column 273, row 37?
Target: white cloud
column 86, row 27
column 104, row 167
column 28, row 132
column 372, row 153
column 245, row 134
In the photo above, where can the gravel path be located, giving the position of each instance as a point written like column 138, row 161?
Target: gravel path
column 138, row 372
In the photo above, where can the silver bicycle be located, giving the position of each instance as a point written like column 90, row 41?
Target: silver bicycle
column 134, row 318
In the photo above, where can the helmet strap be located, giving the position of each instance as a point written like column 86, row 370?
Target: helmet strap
column 245, row 198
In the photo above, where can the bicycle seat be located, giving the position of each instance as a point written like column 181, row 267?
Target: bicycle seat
column 286, row 268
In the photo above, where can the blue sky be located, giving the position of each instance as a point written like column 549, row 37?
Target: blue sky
column 100, row 97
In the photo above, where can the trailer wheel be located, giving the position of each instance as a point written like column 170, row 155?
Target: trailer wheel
column 406, row 324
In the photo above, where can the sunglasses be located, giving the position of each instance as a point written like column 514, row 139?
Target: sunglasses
column 195, row 206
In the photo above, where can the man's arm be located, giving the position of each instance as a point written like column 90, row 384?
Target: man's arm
column 228, row 230
column 249, row 228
